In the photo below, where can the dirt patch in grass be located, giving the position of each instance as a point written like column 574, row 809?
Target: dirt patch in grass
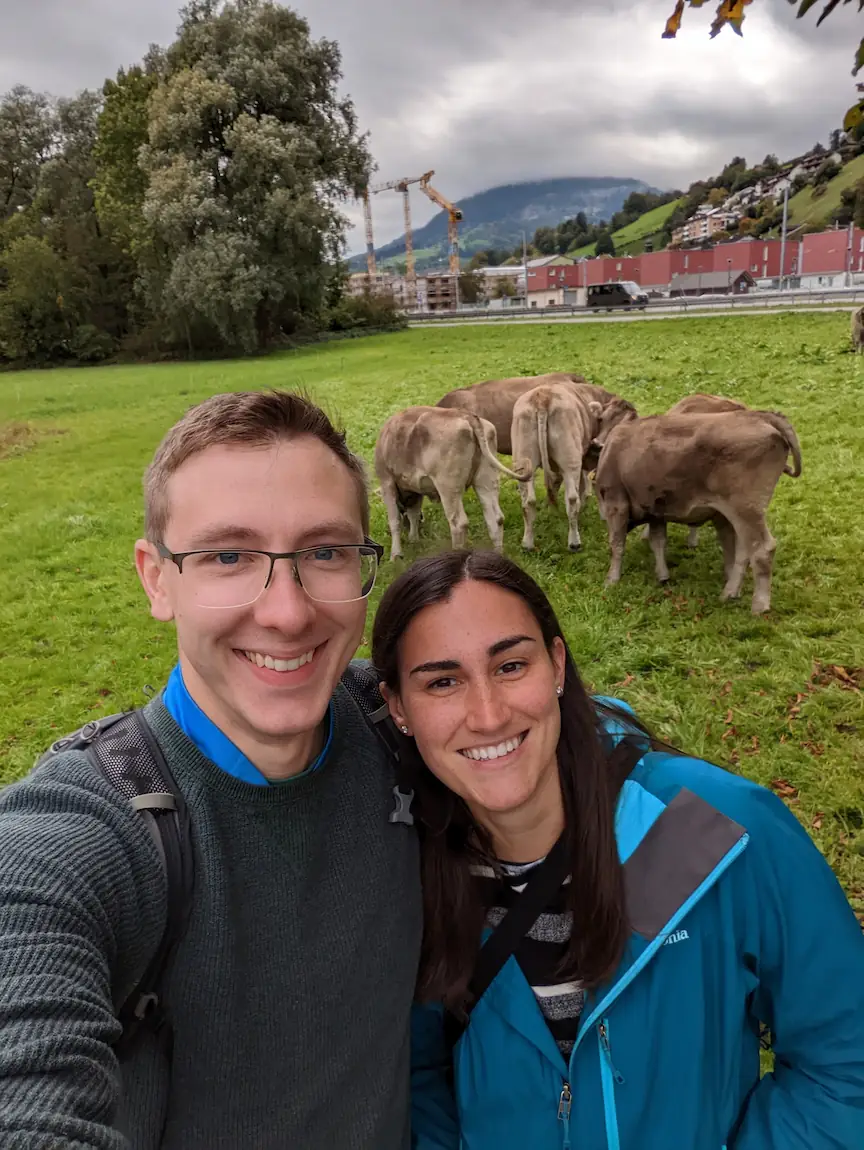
column 16, row 437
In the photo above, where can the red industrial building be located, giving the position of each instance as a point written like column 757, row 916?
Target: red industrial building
column 822, row 259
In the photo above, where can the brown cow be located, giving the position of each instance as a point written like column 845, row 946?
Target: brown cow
column 494, row 399
column 689, row 469
column 438, row 453
column 858, row 330
column 554, row 426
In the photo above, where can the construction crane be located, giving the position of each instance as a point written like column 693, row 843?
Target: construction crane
column 370, row 239
column 399, row 186
column 454, row 217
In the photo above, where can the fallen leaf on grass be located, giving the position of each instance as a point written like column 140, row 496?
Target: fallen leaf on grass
column 726, row 688
column 784, row 789
column 626, row 681
column 816, row 749
column 817, row 820
column 848, row 678
column 727, row 734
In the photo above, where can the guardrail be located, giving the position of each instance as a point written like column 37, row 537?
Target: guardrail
column 744, row 301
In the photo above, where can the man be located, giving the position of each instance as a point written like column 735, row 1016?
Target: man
column 290, row 991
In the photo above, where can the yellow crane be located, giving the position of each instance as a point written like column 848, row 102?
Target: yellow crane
column 399, row 186
column 454, row 217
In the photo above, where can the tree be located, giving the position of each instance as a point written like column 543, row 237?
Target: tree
column 858, row 209
column 28, row 138
column 471, row 287
column 605, row 245
column 717, row 196
column 546, row 241
column 250, row 156
column 35, row 319
column 119, row 181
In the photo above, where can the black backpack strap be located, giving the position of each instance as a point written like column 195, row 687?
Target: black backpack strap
column 127, row 754
column 361, row 682
column 542, row 884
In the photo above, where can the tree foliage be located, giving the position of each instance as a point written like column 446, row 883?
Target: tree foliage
column 196, row 203
column 733, row 12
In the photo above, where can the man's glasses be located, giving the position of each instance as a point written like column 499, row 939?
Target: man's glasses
column 337, row 573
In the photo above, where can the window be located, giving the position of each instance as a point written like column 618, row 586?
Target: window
column 686, row 262
column 550, row 303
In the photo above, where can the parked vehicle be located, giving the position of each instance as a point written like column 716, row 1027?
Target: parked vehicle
column 624, row 294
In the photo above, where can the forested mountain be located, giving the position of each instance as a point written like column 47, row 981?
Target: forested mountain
column 497, row 217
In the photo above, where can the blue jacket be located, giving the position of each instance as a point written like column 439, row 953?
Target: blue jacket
column 737, row 919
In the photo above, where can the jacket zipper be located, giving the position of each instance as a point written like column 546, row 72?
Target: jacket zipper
column 608, row 1077
column 565, row 1101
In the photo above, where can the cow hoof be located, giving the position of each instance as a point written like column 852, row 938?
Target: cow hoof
column 574, row 546
column 760, row 608
column 527, row 546
column 663, row 579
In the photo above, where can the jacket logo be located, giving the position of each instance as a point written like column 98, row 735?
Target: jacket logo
column 676, row 936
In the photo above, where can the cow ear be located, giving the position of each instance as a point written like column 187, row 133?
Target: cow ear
column 595, row 408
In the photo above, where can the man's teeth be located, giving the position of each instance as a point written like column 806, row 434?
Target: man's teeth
column 279, row 664
column 493, row 752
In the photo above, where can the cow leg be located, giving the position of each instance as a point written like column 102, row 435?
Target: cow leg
column 657, row 539
column 740, row 557
column 761, row 548
column 415, row 514
column 693, row 537
column 388, row 495
column 584, row 486
column 572, row 495
column 616, row 524
column 726, row 535
column 486, row 487
column 529, row 512
column 451, row 502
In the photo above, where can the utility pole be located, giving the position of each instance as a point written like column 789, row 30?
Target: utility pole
column 525, row 265
column 783, row 235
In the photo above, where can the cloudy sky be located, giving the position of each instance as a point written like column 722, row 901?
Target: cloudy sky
column 493, row 91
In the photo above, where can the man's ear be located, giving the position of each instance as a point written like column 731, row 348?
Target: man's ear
column 394, row 705
column 151, row 572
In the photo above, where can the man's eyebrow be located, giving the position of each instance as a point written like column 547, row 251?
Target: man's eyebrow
column 219, row 534
column 226, row 534
column 454, row 665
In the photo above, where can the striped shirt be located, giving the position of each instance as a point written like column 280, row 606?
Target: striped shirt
column 540, row 952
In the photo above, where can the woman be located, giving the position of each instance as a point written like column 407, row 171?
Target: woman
column 692, row 906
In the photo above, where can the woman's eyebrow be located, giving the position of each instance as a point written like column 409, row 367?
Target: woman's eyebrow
column 506, row 644
column 454, row 665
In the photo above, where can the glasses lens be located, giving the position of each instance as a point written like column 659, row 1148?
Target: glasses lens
column 338, row 574
column 225, row 578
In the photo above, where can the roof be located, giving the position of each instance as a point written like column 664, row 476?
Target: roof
column 709, row 280
column 546, row 261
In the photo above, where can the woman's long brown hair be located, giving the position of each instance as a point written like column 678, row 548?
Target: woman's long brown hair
column 450, row 838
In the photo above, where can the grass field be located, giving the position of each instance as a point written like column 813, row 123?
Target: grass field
column 777, row 698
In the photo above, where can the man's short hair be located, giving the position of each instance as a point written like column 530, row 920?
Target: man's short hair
column 245, row 419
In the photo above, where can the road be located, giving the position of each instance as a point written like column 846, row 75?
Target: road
column 674, row 311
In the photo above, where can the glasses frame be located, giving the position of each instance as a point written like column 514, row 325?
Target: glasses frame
column 368, row 545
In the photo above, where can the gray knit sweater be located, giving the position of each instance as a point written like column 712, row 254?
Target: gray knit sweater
column 290, row 994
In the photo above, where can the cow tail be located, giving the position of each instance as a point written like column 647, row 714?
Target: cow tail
column 543, row 441
column 480, row 435
column 782, row 424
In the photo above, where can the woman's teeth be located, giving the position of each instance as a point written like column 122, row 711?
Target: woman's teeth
column 495, row 752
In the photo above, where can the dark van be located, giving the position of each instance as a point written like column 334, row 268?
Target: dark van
column 625, row 294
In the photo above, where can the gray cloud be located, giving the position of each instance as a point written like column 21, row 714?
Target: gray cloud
column 504, row 90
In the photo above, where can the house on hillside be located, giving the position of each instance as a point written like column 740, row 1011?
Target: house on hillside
column 712, row 283
column 382, row 283
column 707, row 222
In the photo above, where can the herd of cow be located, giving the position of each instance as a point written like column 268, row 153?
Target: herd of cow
column 708, row 459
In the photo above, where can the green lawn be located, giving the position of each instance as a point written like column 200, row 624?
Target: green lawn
column 805, row 208
column 649, row 224
column 777, row 698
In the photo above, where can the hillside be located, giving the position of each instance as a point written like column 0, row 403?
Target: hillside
column 497, row 218
column 631, row 240
column 819, row 211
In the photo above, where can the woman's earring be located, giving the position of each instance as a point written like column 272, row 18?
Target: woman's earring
column 559, row 691
column 404, row 729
